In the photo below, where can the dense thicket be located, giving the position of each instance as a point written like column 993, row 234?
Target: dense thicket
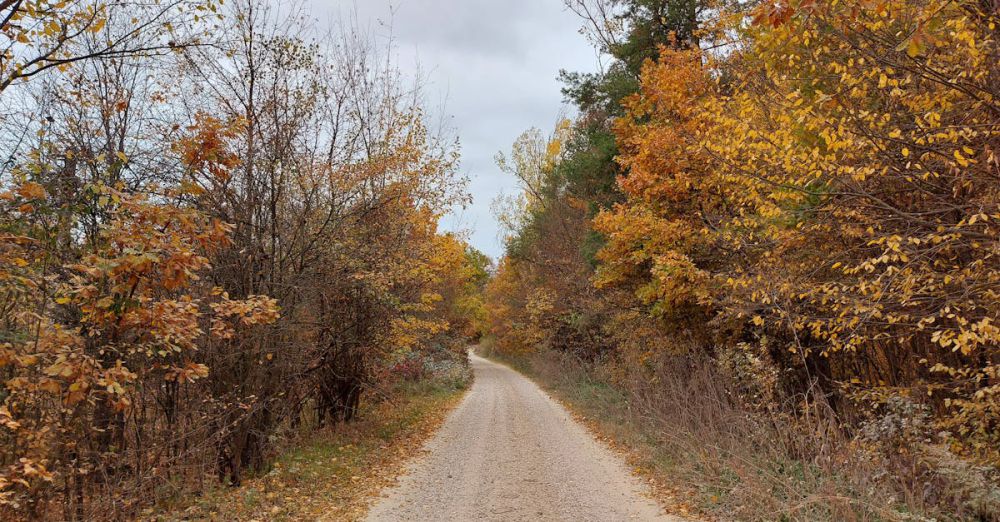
column 213, row 232
column 802, row 196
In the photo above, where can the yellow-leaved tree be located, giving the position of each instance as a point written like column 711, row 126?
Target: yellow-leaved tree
column 831, row 181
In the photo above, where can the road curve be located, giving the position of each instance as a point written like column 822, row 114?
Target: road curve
column 509, row 452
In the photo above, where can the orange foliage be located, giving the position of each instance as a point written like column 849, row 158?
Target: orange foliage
column 826, row 184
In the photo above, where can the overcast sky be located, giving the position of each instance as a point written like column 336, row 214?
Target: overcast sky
column 494, row 64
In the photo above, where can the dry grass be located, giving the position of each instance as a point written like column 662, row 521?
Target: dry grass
column 333, row 475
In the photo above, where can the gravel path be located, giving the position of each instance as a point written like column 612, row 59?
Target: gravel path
column 509, row 452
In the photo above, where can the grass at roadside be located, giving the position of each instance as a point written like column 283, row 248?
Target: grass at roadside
column 335, row 474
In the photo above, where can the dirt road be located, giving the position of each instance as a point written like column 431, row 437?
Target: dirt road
column 509, row 452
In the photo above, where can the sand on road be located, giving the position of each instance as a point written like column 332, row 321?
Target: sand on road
column 509, row 452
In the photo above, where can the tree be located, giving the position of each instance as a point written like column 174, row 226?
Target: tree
column 189, row 279
column 46, row 34
column 835, row 191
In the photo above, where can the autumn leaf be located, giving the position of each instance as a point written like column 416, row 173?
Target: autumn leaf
column 32, row 191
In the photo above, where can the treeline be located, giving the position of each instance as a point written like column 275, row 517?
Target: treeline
column 776, row 226
column 215, row 231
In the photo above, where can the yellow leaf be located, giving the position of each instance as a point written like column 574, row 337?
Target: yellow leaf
column 961, row 159
column 98, row 25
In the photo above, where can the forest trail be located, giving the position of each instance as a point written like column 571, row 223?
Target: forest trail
column 509, row 452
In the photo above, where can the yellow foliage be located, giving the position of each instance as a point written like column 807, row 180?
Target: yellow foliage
column 834, row 179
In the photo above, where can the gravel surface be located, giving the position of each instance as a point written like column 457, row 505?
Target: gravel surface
column 509, row 452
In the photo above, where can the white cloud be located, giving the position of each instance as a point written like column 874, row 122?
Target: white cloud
column 494, row 63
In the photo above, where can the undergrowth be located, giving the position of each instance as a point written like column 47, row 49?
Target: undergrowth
column 334, row 474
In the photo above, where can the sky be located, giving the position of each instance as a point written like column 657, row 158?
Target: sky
column 492, row 67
